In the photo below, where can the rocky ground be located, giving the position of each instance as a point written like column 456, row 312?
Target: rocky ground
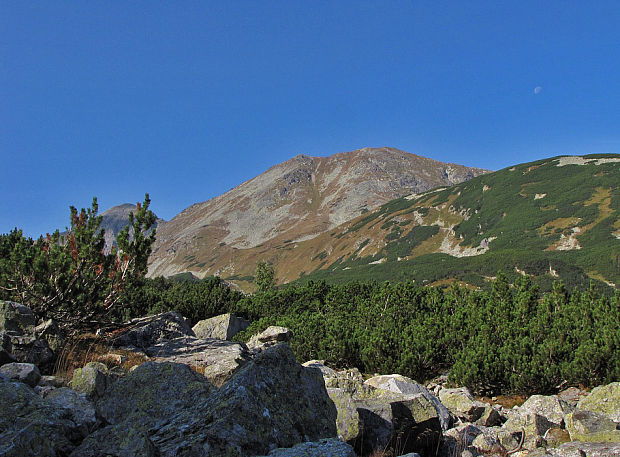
column 199, row 394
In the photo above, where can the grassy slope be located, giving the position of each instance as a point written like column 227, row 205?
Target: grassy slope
column 527, row 212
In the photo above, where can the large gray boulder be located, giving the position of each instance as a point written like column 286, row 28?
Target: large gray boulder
column 217, row 360
column 32, row 426
column 147, row 331
column 153, row 392
column 81, row 409
column 394, row 421
column 330, row 447
column 222, row 327
column 404, row 385
column 591, row 427
column 551, row 407
column 604, row 400
column 22, row 372
column 271, row 402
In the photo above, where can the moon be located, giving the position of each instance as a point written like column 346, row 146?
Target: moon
column 537, row 90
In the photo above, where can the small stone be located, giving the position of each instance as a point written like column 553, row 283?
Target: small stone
column 91, row 380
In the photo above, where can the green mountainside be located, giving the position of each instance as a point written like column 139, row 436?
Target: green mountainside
column 556, row 218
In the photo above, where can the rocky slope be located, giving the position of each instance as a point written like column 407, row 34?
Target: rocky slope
column 291, row 202
column 266, row 403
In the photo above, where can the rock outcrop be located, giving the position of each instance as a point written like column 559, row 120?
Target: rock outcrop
column 271, row 402
column 147, row 331
column 217, row 359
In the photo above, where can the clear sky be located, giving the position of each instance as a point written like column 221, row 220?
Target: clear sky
column 185, row 100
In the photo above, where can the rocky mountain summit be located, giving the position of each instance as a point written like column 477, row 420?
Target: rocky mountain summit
column 202, row 396
column 115, row 219
column 293, row 201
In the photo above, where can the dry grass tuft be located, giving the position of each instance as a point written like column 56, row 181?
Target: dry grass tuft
column 89, row 347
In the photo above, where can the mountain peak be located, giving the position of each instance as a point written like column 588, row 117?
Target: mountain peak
column 295, row 200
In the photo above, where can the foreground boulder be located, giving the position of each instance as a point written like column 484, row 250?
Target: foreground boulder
column 32, row 426
column 216, row 359
column 222, row 327
column 147, row 331
column 173, row 411
column 591, row 427
column 325, row 448
column 22, row 372
column 271, row 402
column 403, row 385
column 394, row 421
column 604, row 400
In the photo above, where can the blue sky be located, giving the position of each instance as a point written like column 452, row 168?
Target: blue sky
column 186, row 100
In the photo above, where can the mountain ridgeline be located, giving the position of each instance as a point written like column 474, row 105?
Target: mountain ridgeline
column 290, row 203
column 383, row 214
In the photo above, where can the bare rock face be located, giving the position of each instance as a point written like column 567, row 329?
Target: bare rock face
column 295, row 200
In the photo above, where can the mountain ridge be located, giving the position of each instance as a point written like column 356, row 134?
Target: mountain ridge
column 295, row 200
